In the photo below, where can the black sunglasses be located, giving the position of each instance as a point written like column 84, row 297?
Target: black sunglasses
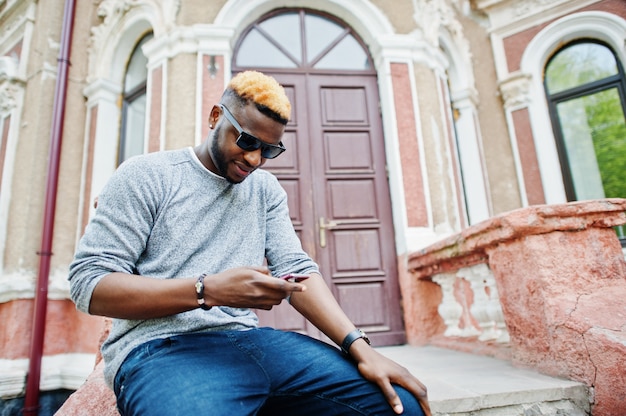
column 249, row 143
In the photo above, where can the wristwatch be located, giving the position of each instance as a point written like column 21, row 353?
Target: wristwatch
column 351, row 337
column 200, row 292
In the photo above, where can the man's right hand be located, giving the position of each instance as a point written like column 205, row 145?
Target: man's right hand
column 247, row 287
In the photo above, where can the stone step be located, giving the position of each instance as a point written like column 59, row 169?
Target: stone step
column 463, row 384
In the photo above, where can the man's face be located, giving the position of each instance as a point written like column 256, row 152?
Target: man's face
column 230, row 160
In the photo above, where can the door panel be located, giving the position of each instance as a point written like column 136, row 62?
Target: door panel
column 351, row 201
column 335, row 177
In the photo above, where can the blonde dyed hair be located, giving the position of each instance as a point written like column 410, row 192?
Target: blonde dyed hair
column 263, row 90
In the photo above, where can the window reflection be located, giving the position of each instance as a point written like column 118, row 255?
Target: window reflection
column 285, row 30
column 319, row 34
column 594, row 131
column 579, row 64
column 348, row 54
column 258, row 51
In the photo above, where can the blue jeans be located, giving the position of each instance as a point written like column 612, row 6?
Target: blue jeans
column 256, row 372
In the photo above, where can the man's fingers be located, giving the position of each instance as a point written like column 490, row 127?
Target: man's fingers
column 415, row 387
column 420, row 392
column 392, row 397
column 425, row 407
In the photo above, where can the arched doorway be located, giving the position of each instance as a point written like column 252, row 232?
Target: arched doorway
column 334, row 169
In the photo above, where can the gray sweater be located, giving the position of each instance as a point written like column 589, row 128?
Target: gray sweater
column 164, row 215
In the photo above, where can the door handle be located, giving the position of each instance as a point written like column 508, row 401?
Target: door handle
column 323, row 225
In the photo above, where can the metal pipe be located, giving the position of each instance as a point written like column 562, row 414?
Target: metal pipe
column 31, row 401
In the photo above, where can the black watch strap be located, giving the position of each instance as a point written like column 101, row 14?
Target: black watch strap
column 351, row 337
column 200, row 292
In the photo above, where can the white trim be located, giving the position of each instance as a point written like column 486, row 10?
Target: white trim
column 62, row 371
column 164, row 113
column 21, row 285
column 17, row 285
column 16, row 89
column 467, row 134
column 594, row 25
column 12, row 89
column 515, row 95
column 103, row 95
column 211, row 41
column 198, row 101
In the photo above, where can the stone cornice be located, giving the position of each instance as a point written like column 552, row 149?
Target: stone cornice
column 515, row 15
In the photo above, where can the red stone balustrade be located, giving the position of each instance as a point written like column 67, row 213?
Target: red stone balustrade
column 559, row 275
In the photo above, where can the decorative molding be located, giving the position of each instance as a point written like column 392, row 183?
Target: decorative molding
column 515, row 91
column 8, row 97
column 516, row 15
column 117, row 16
column 433, row 15
column 11, row 85
column 113, row 11
column 21, row 285
column 14, row 18
column 8, row 68
column 436, row 17
column 522, row 8
column 62, row 371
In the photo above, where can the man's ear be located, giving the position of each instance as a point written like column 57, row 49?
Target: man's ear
column 214, row 116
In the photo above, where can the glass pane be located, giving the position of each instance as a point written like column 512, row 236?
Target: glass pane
column 579, row 64
column 137, row 71
column 285, row 29
column 594, row 131
column 257, row 51
column 347, row 54
column 319, row 33
column 135, row 126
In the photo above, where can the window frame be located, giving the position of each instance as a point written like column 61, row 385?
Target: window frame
column 617, row 81
column 129, row 96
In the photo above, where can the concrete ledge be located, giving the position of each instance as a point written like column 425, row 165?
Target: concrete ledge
column 462, row 384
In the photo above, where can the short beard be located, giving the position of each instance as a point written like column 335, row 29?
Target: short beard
column 217, row 156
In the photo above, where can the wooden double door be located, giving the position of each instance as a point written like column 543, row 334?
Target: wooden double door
column 334, row 172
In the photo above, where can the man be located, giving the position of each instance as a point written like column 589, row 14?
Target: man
column 175, row 253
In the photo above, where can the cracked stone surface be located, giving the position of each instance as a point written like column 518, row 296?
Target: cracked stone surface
column 564, row 299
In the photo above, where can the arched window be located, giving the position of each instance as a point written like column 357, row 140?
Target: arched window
column 301, row 39
column 134, row 104
column 586, row 92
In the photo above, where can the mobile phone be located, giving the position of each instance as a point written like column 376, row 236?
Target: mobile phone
column 295, row 277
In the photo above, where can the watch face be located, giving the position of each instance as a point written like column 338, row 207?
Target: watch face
column 365, row 337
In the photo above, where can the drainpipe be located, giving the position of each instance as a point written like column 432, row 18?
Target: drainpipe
column 31, row 401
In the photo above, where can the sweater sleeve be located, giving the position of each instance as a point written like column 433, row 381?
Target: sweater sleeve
column 117, row 234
